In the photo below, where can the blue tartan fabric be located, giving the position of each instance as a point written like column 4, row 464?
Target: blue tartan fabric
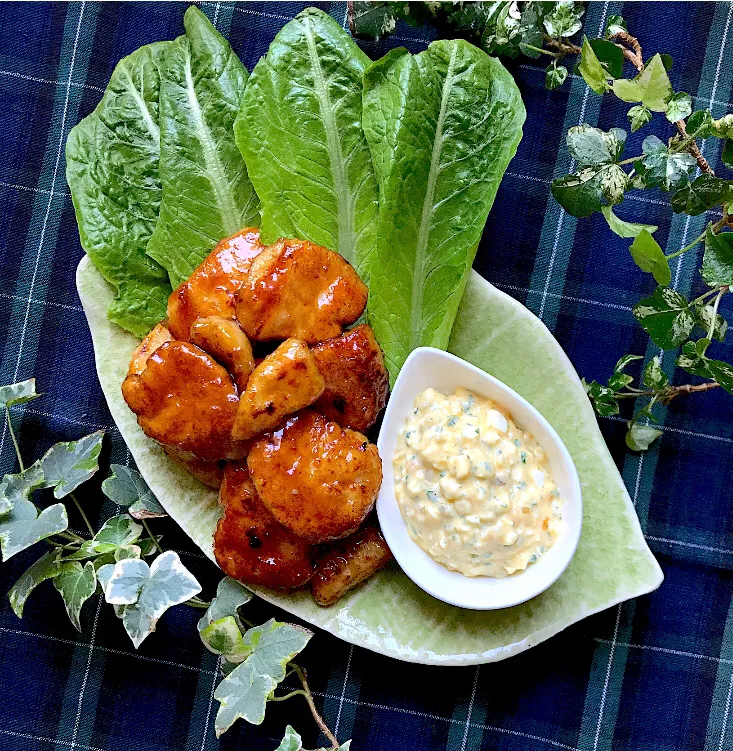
column 655, row 674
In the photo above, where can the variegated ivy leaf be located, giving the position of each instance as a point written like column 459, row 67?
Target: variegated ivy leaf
column 16, row 488
column 591, row 188
column 127, row 551
column 230, row 596
column 640, row 437
column 663, row 168
column 654, row 377
column 666, row 316
column 68, row 464
column 116, row 532
column 292, row 742
column 76, row 584
column 245, row 691
column 126, row 487
column 46, row 567
column 591, row 146
column 223, row 637
column 18, row 393
column 146, row 592
column 23, row 526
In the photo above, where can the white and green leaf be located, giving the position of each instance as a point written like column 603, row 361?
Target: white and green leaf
column 651, row 87
column 666, row 316
column 76, row 584
column 591, row 146
column 230, row 596
column 18, row 393
column 126, row 487
column 223, row 637
column 69, row 464
column 46, row 567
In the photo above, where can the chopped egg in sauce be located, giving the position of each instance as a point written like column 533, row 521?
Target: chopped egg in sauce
column 474, row 489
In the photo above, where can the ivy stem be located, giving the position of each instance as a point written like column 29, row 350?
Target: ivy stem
column 711, row 328
column 629, row 161
column 83, row 515
column 15, row 440
column 679, row 252
column 297, row 692
column 704, row 295
column 71, row 536
column 556, row 55
column 151, row 535
column 312, row 706
column 195, row 602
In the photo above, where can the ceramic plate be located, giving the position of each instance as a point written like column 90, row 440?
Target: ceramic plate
column 390, row 614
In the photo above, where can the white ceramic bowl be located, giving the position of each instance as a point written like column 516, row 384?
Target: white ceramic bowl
column 425, row 368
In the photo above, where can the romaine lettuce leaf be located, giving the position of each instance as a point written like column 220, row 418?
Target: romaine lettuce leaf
column 442, row 127
column 300, row 132
column 207, row 194
column 112, row 170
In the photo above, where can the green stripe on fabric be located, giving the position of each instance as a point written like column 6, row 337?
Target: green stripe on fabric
column 558, row 228
column 201, row 735
column 220, row 14
column 469, row 711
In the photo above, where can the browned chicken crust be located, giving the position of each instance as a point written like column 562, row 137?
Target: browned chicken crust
column 156, row 337
column 183, row 398
column 284, row 382
column 250, row 545
column 348, row 563
column 297, row 289
column 225, row 341
column 319, row 480
column 210, row 290
column 357, row 382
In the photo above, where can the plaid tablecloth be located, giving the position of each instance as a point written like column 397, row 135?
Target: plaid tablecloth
column 655, row 674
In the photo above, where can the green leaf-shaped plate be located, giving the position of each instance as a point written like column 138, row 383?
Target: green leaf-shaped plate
column 389, row 614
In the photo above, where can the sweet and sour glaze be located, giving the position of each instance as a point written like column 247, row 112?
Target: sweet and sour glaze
column 304, row 477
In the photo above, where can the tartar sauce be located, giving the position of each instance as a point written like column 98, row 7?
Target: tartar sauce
column 474, row 489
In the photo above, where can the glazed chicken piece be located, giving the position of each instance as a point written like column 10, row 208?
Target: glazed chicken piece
column 155, row 338
column 210, row 290
column 319, row 480
column 225, row 341
column 348, row 563
column 185, row 399
column 250, row 545
column 357, row 383
column 284, row 382
column 298, row 289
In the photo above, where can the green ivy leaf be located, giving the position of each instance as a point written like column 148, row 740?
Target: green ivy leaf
column 618, row 381
column 615, row 25
column 651, row 87
column 610, row 56
column 693, row 362
column 245, row 691
column 68, row 465
column 679, row 107
column 22, row 526
column 594, row 74
column 230, row 596
column 602, row 398
column 591, row 147
column 666, row 61
column 126, row 487
column 704, row 315
column 639, row 116
column 590, row 189
column 125, row 552
column 623, row 228
column 46, row 567
column 702, row 194
column 640, row 437
column 146, row 592
column 723, row 127
column 564, row 19
column 654, row 377
column 18, row 393
column 700, row 124
column 624, row 361
column 292, row 742
column 223, row 637
column 76, row 584
column 666, row 316
column 717, row 261
column 726, row 155
column 662, row 168
column 502, row 31
column 649, row 256
column 555, row 75
column 372, row 20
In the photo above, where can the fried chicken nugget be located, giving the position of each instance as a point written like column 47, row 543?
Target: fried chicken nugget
column 284, row 382
column 250, row 545
column 210, row 290
column 184, row 399
column 208, row 473
column 297, row 289
column 225, row 341
column 158, row 336
column 348, row 563
column 319, row 480
column 357, row 382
